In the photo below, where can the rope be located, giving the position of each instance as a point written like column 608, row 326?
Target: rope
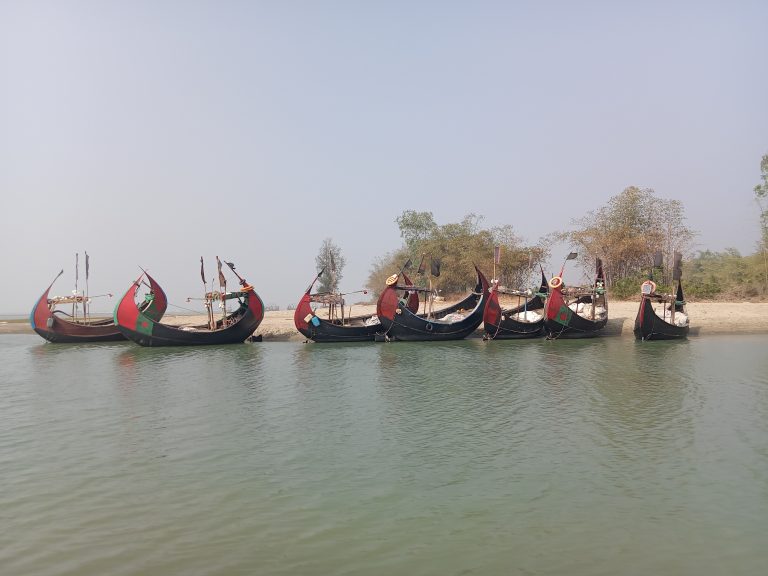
column 498, row 326
column 183, row 308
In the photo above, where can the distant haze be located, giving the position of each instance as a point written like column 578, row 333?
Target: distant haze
column 153, row 133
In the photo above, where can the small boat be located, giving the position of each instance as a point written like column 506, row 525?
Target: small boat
column 576, row 311
column 669, row 319
column 522, row 321
column 51, row 322
column 337, row 327
column 233, row 328
column 400, row 322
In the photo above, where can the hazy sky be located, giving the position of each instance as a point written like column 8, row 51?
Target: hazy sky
column 151, row 133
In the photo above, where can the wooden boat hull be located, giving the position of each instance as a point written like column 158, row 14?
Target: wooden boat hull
column 499, row 323
column 59, row 330
column 576, row 328
column 400, row 323
column 650, row 326
column 322, row 330
column 144, row 331
column 354, row 330
column 562, row 322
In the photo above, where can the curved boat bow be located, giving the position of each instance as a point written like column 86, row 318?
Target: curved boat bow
column 401, row 323
column 234, row 328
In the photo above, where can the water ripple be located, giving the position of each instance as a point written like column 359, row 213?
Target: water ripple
column 434, row 458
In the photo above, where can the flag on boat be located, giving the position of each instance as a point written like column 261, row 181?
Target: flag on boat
column 202, row 270
column 222, row 280
column 496, row 254
column 86, row 266
column 563, row 316
column 572, row 255
column 677, row 269
column 435, row 267
column 422, row 264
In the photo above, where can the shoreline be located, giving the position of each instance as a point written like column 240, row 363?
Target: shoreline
column 707, row 318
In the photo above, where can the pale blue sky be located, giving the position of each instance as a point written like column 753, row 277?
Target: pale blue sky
column 151, row 133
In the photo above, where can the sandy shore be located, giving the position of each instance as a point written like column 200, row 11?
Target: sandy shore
column 706, row 318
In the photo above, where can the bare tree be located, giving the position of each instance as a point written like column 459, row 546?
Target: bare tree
column 329, row 258
column 629, row 230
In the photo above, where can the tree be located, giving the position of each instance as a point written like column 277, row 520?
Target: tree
column 629, row 230
column 329, row 258
column 458, row 246
column 761, row 195
column 761, row 190
column 383, row 267
column 724, row 275
column 415, row 227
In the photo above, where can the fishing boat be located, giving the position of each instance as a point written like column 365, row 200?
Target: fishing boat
column 338, row 327
column 230, row 328
column 576, row 311
column 662, row 316
column 68, row 319
column 525, row 320
column 400, row 322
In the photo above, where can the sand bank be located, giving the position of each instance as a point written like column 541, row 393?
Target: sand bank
column 706, row 318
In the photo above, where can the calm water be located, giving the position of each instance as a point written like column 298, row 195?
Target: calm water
column 598, row 457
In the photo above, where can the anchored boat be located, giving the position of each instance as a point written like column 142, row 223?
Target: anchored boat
column 230, row 328
column 576, row 311
column 68, row 319
column 400, row 322
column 662, row 316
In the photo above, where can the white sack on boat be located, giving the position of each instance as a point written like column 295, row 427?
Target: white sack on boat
column 453, row 317
column 585, row 310
column 372, row 321
column 681, row 319
column 527, row 316
column 601, row 312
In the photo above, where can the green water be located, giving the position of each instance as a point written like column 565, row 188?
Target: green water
column 598, row 457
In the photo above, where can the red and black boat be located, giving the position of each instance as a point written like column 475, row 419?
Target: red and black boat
column 232, row 328
column 669, row 320
column 576, row 311
column 337, row 327
column 51, row 322
column 526, row 320
column 400, row 322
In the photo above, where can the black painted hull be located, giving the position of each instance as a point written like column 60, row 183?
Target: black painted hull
column 328, row 332
column 499, row 323
column 400, row 323
column 578, row 328
column 560, row 321
column 84, row 334
column 412, row 328
column 237, row 328
column 513, row 330
column 649, row 326
column 165, row 335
